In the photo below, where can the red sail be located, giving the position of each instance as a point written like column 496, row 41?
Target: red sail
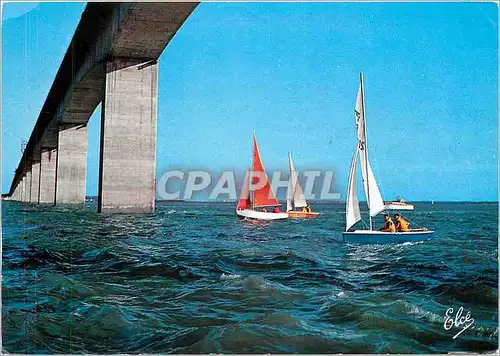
column 263, row 196
column 244, row 202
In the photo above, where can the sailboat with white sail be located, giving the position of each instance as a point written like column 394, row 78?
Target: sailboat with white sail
column 256, row 194
column 373, row 197
column 296, row 204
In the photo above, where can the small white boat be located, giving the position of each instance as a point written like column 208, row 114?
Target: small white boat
column 295, row 200
column 256, row 198
column 399, row 204
column 373, row 197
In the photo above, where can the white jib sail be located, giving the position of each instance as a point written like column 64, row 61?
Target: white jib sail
column 375, row 201
column 289, row 195
column 295, row 197
column 373, row 196
column 352, row 204
column 299, row 200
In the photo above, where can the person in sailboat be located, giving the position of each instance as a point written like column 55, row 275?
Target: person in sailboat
column 401, row 223
column 276, row 209
column 306, row 209
column 388, row 224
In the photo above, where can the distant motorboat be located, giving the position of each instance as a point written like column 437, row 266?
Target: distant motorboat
column 295, row 198
column 253, row 204
column 373, row 197
column 399, row 204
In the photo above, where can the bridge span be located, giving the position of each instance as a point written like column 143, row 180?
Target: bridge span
column 112, row 59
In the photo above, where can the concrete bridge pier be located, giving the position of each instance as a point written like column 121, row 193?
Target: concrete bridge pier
column 35, row 182
column 48, row 164
column 19, row 190
column 22, row 186
column 18, row 193
column 14, row 194
column 27, row 187
column 71, row 167
column 127, row 165
column 35, row 175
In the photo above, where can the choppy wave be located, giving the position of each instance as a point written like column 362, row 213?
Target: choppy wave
column 195, row 279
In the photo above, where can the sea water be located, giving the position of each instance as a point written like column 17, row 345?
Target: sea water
column 193, row 278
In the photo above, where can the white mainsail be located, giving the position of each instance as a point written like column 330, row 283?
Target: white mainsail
column 352, row 213
column 373, row 196
column 359, row 115
column 295, row 197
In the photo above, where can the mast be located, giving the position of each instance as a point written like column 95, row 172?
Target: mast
column 365, row 148
column 250, row 195
column 290, row 195
column 250, row 177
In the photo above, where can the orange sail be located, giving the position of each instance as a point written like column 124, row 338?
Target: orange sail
column 263, row 196
column 244, row 202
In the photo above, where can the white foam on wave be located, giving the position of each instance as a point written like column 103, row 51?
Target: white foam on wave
column 411, row 243
column 249, row 251
column 419, row 312
column 484, row 330
column 229, row 276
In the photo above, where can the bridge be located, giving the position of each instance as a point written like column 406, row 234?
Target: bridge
column 112, row 59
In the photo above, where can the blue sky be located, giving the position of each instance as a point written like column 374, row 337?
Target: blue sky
column 290, row 71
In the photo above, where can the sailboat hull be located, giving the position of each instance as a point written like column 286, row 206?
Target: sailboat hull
column 301, row 214
column 379, row 237
column 260, row 215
